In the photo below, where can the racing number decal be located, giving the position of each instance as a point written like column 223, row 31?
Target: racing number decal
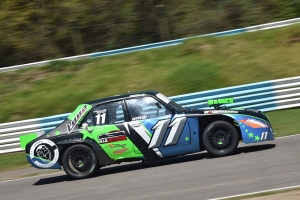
column 264, row 135
column 176, row 130
column 102, row 117
column 160, row 130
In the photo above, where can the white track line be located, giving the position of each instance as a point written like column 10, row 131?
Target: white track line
column 288, row 136
column 30, row 177
column 246, row 194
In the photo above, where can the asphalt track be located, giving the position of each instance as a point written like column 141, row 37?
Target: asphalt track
column 253, row 168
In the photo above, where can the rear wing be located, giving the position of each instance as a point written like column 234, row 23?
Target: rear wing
column 217, row 103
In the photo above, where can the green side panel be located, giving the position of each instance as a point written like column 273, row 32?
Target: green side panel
column 115, row 150
column 120, row 149
column 219, row 101
column 78, row 109
column 25, row 139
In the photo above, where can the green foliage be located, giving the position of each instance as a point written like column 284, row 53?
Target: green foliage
column 33, row 31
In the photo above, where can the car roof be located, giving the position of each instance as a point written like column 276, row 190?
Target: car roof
column 122, row 96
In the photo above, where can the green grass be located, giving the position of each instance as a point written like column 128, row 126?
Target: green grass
column 285, row 122
column 199, row 64
column 13, row 161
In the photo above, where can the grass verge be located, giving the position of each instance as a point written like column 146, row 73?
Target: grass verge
column 13, row 161
column 198, row 64
column 285, row 122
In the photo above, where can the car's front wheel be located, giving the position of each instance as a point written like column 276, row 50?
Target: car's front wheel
column 220, row 138
column 80, row 161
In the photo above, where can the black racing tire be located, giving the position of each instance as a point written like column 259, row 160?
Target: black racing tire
column 80, row 161
column 220, row 138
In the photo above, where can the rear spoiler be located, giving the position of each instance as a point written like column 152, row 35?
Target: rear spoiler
column 217, row 103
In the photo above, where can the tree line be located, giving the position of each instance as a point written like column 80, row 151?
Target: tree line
column 36, row 30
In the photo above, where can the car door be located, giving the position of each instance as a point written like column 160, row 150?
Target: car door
column 156, row 131
column 105, row 124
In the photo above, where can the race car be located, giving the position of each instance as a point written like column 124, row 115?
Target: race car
column 141, row 126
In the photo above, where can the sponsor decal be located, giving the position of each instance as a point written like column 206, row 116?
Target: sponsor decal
column 112, row 137
column 112, row 146
column 46, row 151
column 139, row 118
column 220, row 112
column 72, row 124
column 100, row 111
column 118, row 151
column 254, row 123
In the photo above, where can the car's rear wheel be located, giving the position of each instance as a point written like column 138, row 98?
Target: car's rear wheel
column 220, row 138
column 80, row 161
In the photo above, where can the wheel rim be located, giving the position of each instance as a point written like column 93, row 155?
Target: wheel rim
column 220, row 137
column 80, row 161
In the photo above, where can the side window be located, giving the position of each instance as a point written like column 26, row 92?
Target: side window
column 108, row 113
column 146, row 108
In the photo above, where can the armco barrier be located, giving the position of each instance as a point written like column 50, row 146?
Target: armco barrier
column 265, row 96
column 153, row 45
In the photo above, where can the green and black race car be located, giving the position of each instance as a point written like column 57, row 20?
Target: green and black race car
column 141, row 126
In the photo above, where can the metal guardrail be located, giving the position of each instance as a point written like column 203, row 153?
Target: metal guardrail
column 153, row 45
column 266, row 96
